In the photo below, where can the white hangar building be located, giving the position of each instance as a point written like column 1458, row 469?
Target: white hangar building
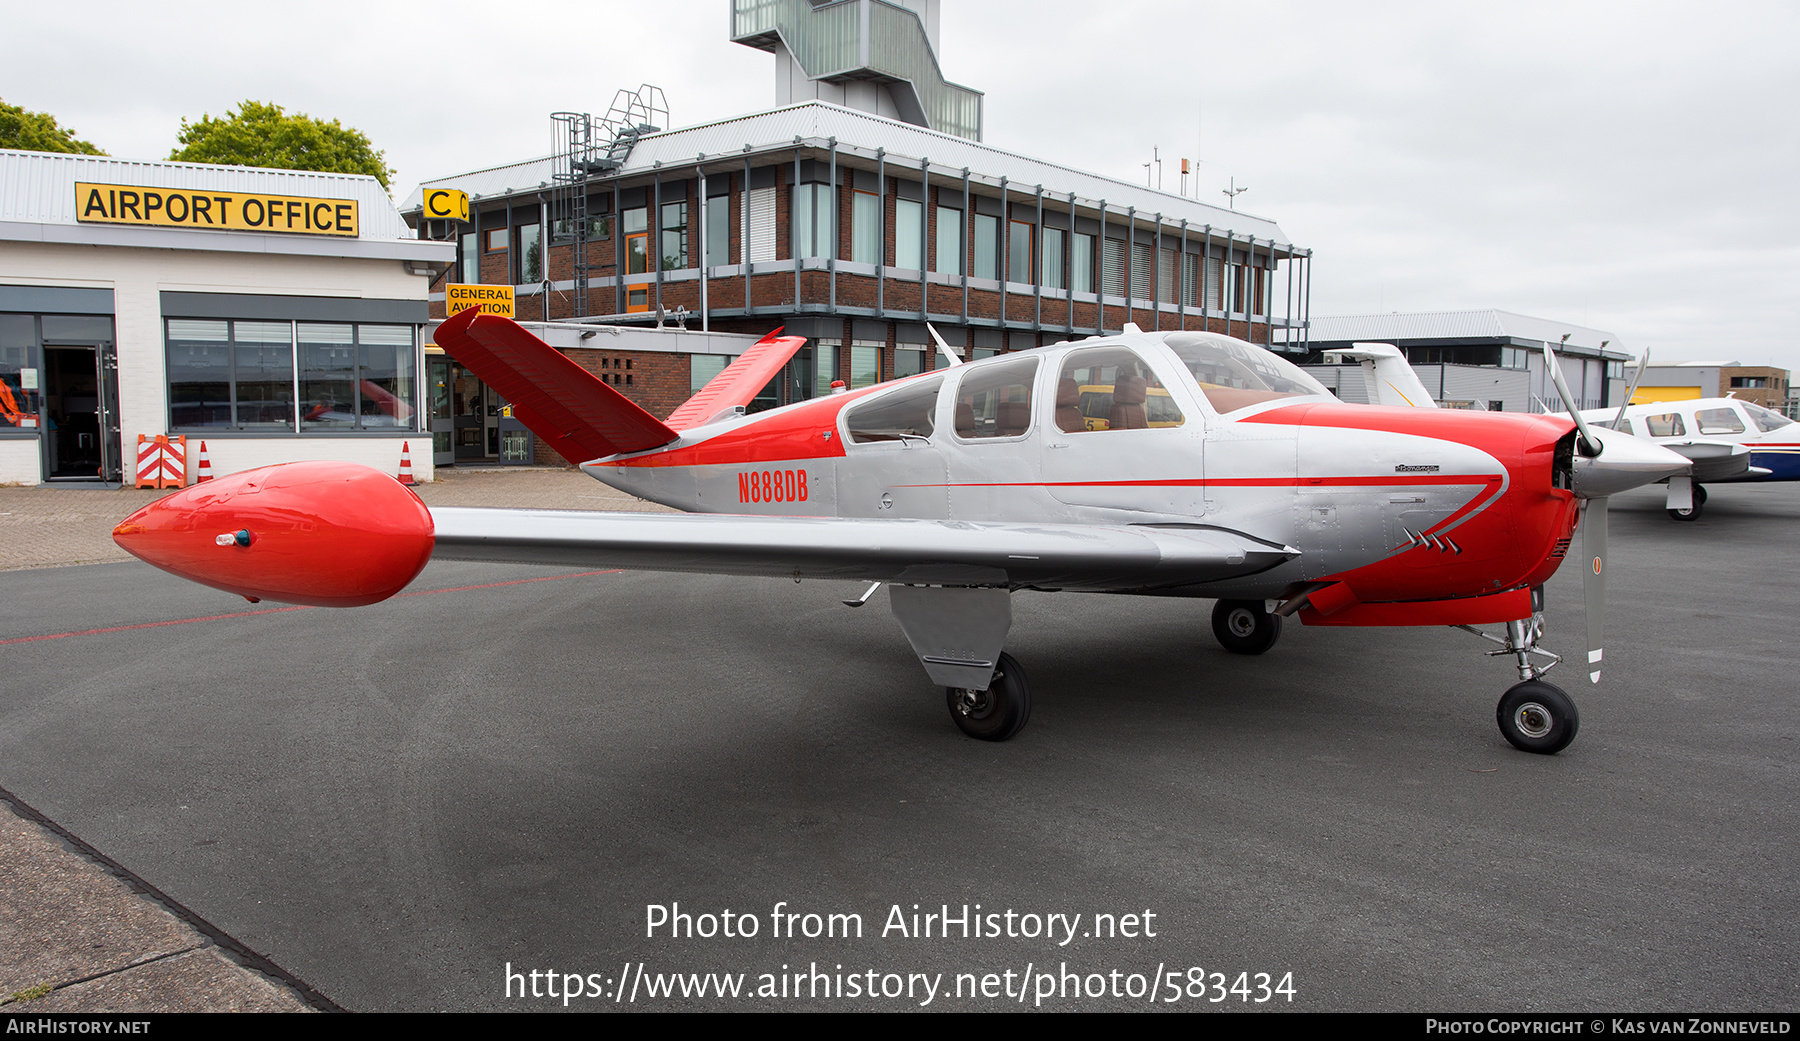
column 276, row 314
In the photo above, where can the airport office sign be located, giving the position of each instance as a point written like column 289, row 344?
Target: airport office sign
column 219, row 211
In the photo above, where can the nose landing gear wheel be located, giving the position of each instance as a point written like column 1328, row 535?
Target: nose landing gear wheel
column 1245, row 626
column 997, row 713
column 1538, row 717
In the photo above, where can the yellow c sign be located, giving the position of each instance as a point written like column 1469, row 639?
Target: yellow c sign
column 489, row 299
column 446, row 204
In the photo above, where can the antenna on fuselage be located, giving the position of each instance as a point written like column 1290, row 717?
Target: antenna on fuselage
column 955, row 356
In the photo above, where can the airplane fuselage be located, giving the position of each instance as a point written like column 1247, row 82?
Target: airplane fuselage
column 1398, row 504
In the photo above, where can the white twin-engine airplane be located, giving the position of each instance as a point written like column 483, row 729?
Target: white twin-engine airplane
column 1214, row 470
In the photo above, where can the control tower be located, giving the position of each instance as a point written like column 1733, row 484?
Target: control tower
column 876, row 56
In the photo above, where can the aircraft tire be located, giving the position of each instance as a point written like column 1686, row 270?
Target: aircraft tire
column 1245, row 626
column 1538, row 717
column 1694, row 513
column 997, row 713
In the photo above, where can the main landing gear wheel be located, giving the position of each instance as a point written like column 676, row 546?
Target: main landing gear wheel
column 1245, row 626
column 997, row 713
column 1538, row 717
column 1694, row 512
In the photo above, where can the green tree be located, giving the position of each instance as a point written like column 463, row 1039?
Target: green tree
column 38, row 132
column 261, row 134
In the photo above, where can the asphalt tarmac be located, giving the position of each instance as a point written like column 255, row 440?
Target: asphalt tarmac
column 418, row 805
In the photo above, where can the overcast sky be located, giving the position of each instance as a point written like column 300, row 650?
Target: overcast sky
column 1626, row 166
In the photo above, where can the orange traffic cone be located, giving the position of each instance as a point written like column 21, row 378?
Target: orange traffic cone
column 406, row 476
column 205, row 471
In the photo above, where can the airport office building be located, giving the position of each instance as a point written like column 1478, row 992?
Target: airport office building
column 274, row 314
column 863, row 207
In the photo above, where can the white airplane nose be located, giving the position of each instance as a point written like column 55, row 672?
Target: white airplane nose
column 1624, row 462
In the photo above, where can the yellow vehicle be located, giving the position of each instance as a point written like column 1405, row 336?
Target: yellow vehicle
column 1097, row 402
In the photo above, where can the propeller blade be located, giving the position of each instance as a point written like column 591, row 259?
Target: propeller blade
column 1593, row 583
column 1631, row 391
column 1590, row 445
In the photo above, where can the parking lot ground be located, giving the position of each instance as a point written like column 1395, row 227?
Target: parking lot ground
column 439, row 801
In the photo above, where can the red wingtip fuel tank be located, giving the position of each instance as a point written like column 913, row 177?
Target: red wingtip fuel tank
column 327, row 534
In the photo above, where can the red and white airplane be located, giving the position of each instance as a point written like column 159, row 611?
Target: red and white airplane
column 1167, row 464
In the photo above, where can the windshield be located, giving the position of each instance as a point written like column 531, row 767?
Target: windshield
column 1235, row 374
column 1764, row 419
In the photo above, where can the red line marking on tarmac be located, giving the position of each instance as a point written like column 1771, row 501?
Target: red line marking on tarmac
column 295, row 607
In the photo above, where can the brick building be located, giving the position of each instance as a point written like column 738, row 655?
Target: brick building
column 854, row 215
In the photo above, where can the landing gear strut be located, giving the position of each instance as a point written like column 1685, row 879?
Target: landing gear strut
column 1534, row 716
column 1245, row 626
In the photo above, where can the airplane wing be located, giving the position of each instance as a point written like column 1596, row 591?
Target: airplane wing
column 565, row 405
column 1045, row 556
column 741, row 381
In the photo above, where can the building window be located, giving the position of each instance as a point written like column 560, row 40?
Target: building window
column 637, row 240
column 1749, row 382
column 240, row 375
column 759, row 225
column 674, row 236
column 1081, row 263
column 1190, row 279
column 355, row 377
column 1052, row 260
column 1165, row 276
column 826, row 353
column 987, row 246
column 496, row 240
column 471, row 260
column 1112, row 267
column 1143, row 269
column 909, row 234
column 865, row 364
column 812, row 220
column 531, row 254
column 865, row 228
column 1018, row 252
column 908, row 361
column 718, row 230
column 949, row 241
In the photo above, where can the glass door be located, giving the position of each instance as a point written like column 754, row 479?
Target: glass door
column 440, row 416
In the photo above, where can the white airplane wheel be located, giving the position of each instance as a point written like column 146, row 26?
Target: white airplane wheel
column 1245, row 626
column 1538, row 717
column 997, row 713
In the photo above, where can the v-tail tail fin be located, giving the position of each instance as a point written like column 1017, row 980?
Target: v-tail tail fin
column 566, row 406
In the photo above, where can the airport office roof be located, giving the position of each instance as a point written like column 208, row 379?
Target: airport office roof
column 814, row 123
column 1448, row 327
column 37, row 204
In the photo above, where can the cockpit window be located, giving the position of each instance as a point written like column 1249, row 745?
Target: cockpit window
column 1718, row 421
column 1668, row 424
column 1766, row 420
column 897, row 416
column 1234, row 374
column 1111, row 388
column 994, row 400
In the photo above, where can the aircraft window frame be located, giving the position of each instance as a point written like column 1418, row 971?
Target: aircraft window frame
column 1089, row 396
column 1716, row 421
column 916, row 401
column 1676, row 428
column 1004, row 379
